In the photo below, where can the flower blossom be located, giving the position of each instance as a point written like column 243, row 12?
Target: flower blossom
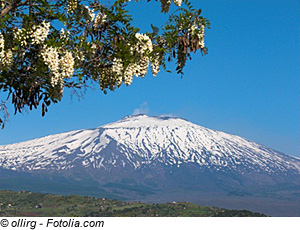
column 155, row 66
column 72, row 6
column 1, row 42
column 117, row 66
column 59, row 67
column 67, row 65
column 51, row 59
column 144, row 43
column 21, row 36
column 100, row 19
column 198, row 31
column 140, row 68
column 36, row 35
column 118, row 73
column 6, row 57
column 177, row 2
column 40, row 32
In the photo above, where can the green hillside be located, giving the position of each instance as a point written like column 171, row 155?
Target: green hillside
column 38, row 204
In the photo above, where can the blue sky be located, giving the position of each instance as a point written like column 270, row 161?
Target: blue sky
column 247, row 85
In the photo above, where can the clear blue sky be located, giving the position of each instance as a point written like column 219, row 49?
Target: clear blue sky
column 247, row 85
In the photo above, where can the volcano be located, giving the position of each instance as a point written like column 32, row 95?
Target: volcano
column 156, row 159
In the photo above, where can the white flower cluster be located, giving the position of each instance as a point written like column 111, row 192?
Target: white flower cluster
column 100, row 19
column 1, row 42
column 40, row 32
column 37, row 34
column 166, row 4
column 144, row 43
column 51, row 58
column 118, row 73
column 129, row 72
column 201, row 37
column 59, row 67
column 6, row 57
column 67, row 65
column 143, row 47
column 90, row 13
column 177, row 2
column 141, row 50
column 199, row 32
column 72, row 5
column 117, row 66
column 97, row 20
column 155, row 66
column 90, row 16
column 117, row 69
column 21, row 35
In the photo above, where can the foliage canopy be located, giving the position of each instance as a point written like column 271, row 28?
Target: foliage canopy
column 46, row 45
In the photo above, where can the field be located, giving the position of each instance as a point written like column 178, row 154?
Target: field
column 26, row 204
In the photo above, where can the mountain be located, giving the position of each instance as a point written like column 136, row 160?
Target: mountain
column 155, row 159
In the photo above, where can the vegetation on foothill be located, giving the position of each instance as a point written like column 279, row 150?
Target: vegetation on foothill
column 25, row 203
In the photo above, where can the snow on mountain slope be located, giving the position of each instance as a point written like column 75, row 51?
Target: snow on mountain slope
column 141, row 140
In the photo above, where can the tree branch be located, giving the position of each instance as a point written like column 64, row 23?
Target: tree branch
column 12, row 6
column 4, row 110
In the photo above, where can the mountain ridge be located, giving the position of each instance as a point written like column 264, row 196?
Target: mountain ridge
column 170, row 141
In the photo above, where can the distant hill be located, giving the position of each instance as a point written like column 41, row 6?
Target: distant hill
column 37, row 204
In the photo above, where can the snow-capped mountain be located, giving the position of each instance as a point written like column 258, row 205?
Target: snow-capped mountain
column 141, row 140
column 156, row 159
